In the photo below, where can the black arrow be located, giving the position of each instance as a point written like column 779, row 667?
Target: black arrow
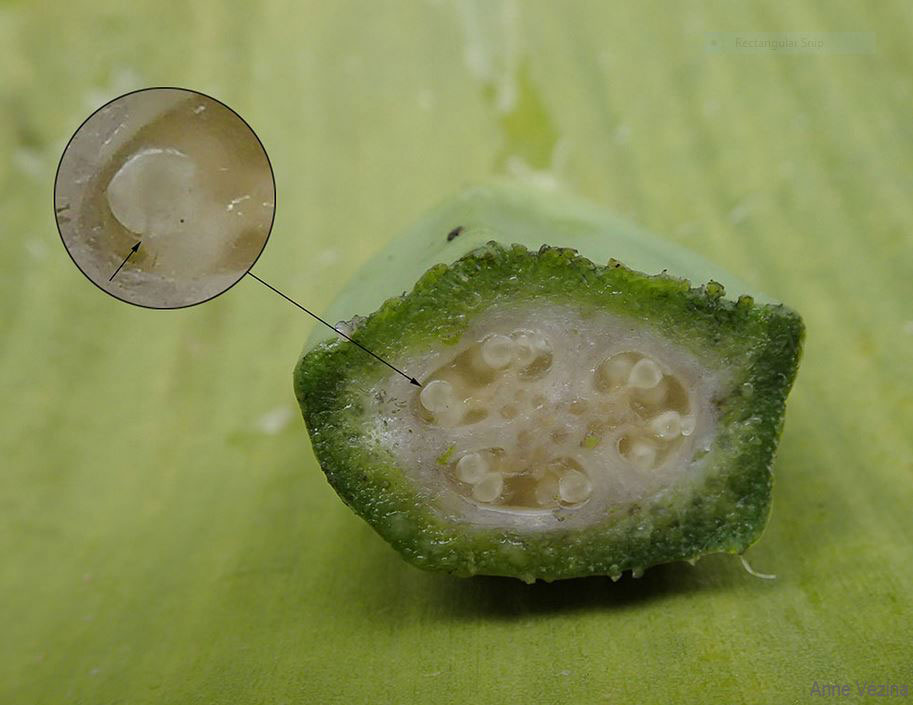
column 412, row 380
column 132, row 252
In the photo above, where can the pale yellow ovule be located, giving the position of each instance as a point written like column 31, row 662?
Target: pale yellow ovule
column 154, row 192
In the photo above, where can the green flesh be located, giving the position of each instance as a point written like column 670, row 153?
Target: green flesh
column 757, row 346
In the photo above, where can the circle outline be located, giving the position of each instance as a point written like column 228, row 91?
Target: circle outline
column 272, row 175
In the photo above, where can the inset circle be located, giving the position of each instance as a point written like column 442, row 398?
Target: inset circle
column 164, row 197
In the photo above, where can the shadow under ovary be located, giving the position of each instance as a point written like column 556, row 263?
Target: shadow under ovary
column 446, row 598
column 507, row 598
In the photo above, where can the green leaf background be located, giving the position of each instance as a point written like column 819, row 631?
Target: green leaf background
column 165, row 533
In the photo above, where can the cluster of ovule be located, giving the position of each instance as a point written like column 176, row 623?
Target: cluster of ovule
column 633, row 403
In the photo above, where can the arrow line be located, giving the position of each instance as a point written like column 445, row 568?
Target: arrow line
column 412, row 380
column 132, row 252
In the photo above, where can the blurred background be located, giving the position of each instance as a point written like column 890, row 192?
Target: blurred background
column 165, row 533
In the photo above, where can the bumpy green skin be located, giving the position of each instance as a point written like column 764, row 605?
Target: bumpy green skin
column 759, row 344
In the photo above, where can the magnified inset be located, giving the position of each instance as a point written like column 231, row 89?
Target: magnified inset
column 164, row 197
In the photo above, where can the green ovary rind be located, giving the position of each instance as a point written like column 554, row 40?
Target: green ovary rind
column 723, row 509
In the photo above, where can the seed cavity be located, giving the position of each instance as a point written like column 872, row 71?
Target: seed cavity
column 645, row 374
column 688, row 424
column 489, row 488
column 530, row 347
column 615, row 371
column 640, row 452
column 667, row 425
column 151, row 189
column 656, row 395
column 437, row 396
column 578, row 407
column 636, row 417
column 546, row 491
column 446, row 408
column 471, row 468
column 498, row 351
column 574, row 487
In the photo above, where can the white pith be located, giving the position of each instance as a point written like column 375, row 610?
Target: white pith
column 540, row 415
